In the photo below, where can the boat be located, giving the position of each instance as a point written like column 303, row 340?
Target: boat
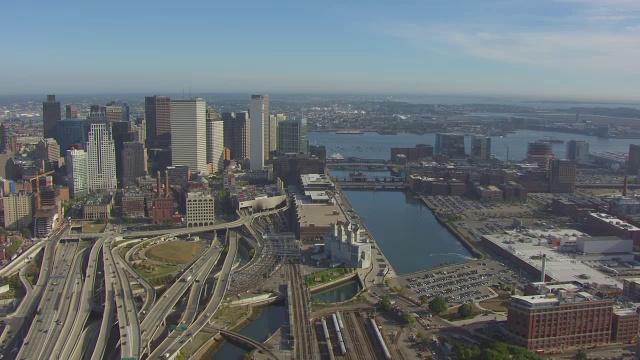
column 358, row 176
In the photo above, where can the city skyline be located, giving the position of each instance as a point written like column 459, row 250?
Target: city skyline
column 573, row 49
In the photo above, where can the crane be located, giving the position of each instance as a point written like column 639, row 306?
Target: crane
column 37, row 178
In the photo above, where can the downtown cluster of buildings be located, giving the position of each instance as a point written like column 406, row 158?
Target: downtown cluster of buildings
column 153, row 167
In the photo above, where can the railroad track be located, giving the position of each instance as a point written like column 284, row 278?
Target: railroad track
column 362, row 324
column 355, row 339
column 304, row 343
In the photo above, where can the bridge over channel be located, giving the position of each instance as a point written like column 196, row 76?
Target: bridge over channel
column 243, row 340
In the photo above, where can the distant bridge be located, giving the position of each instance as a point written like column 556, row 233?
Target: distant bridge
column 374, row 185
column 243, row 340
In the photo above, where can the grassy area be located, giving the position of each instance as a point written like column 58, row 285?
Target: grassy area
column 498, row 304
column 175, row 252
column 125, row 249
column 452, row 314
column 328, row 275
column 156, row 271
column 93, row 228
column 13, row 247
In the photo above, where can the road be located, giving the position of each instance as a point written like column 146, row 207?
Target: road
column 170, row 298
column 150, row 291
column 45, row 330
column 176, row 340
column 80, row 310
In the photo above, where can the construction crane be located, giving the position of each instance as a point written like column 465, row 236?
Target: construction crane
column 37, row 178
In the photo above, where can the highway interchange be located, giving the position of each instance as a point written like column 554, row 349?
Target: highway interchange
column 84, row 291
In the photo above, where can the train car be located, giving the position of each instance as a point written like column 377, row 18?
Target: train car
column 344, row 333
column 383, row 345
column 325, row 329
column 343, row 349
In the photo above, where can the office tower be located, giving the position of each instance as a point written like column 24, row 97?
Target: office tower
column 139, row 131
column 134, row 162
column 578, row 151
column 189, row 134
column 101, row 155
column 71, row 111
column 51, row 112
column 292, row 137
column 121, row 131
column 215, row 144
column 47, row 150
column 70, row 132
column 4, row 145
column 157, row 113
column 237, row 134
column 77, row 172
column 200, row 209
column 633, row 164
column 270, row 134
column 539, row 152
column 562, row 176
column 113, row 112
column 259, row 117
column 481, row 148
column 450, row 145
column 97, row 109
column 18, row 210
column 125, row 113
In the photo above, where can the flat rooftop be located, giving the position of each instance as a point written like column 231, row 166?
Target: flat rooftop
column 612, row 220
column 560, row 267
column 319, row 214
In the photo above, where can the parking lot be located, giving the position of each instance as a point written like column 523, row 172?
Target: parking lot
column 461, row 283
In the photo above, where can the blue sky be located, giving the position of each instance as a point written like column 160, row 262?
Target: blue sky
column 571, row 49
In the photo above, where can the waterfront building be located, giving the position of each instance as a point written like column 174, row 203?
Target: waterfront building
column 101, row 156
column 18, row 210
column 259, row 118
column 157, row 113
column 344, row 244
column 450, row 145
column 188, row 134
column 481, row 148
column 562, row 176
column 292, row 136
column 578, row 151
column 200, row 209
column 319, row 151
column 413, row 154
column 539, row 152
column 215, row 144
column 633, row 164
column 51, row 113
column 290, row 167
column 77, row 172
column 559, row 319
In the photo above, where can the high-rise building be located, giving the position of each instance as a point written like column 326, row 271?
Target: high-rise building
column 539, row 152
column 292, row 137
column 188, row 134
column 562, row 176
column 77, row 172
column 200, row 209
column 47, row 150
column 215, row 144
column 481, row 148
column 113, row 112
column 157, row 113
column 101, row 155
column 450, row 145
column 18, row 210
column 4, row 143
column 51, row 113
column 578, row 151
column 121, row 131
column 633, row 164
column 237, row 134
column 71, row 111
column 134, row 162
column 271, row 132
column 70, row 132
column 259, row 118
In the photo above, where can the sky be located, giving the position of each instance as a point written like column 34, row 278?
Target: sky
column 565, row 49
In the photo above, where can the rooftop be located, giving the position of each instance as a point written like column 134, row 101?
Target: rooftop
column 319, row 214
column 612, row 220
column 98, row 200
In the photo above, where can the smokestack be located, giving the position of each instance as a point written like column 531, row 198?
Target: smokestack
column 543, row 270
column 158, row 182
column 166, row 183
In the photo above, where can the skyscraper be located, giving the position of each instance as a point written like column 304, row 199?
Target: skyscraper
column 633, row 164
column 215, row 144
column 259, row 117
column 481, row 148
column 77, row 171
column 292, row 137
column 539, row 152
column 578, row 151
column 101, row 155
column 562, row 176
column 4, row 144
column 450, row 145
column 121, row 132
column 157, row 112
column 71, row 111
column 134, row 162
column 236, row 134
column 70, row 132
column 188, row 134
column 51, row 112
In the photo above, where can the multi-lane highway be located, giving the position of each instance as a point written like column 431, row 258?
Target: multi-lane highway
column 176, row 340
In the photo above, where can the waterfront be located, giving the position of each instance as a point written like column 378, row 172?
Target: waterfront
column 406, row 230
column 339, row 293
column 375, row 146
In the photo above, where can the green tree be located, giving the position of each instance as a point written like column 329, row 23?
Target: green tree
column 582, row 355
column 438, row 305
column 385, row 303
column 25, row 232
column 407, row 318
column 466, row 311
column 3, row 231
